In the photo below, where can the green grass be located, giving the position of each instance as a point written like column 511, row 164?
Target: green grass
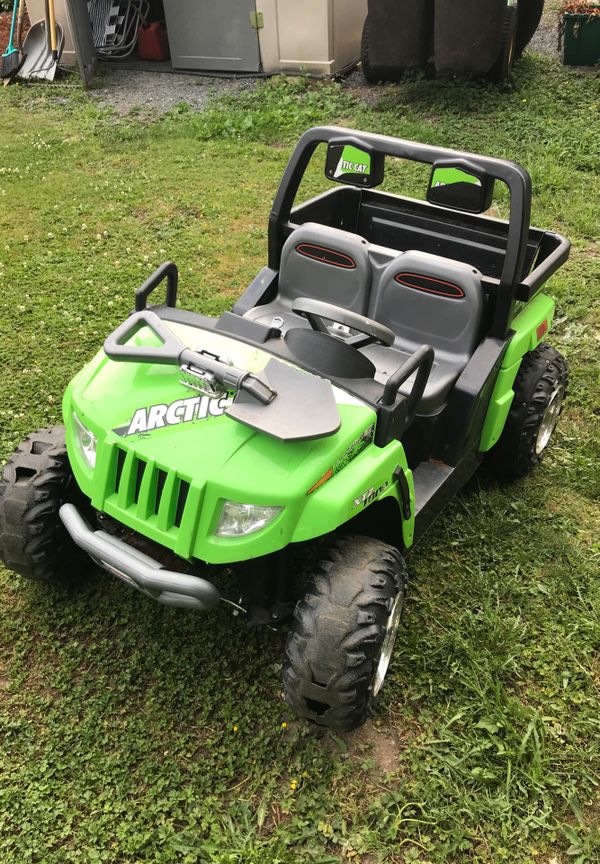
column 134, row 733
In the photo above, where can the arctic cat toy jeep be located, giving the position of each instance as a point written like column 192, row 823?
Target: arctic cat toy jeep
column 306, row 439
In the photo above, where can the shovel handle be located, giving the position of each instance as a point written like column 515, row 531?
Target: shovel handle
column 52, row 24
column 19, row 34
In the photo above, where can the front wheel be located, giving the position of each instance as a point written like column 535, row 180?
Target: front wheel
column 343, row 634
column 34, row 483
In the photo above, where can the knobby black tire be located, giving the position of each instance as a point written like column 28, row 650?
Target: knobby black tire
column 515, row 453
column 338, row 629
column 35, row 482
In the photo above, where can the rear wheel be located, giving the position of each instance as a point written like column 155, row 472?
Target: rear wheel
column 540, row 389
column 502, row 68
column 35, row 482
column 341, row 642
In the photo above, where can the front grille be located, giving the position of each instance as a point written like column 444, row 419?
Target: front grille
column 184, row 488
column 148, row 491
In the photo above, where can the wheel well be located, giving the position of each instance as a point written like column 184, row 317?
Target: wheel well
column 382, row 520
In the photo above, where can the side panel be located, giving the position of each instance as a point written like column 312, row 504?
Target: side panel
column 369, row 478
column 314, row 37
column 530, row 327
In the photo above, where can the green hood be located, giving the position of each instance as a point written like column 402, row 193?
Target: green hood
column 167, row 457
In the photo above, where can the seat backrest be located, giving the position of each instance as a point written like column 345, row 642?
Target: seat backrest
column 325, row 264
column 426, row 299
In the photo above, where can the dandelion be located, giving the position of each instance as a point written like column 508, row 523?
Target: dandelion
column 284, row 725
column 235, row 728
column 293, row 784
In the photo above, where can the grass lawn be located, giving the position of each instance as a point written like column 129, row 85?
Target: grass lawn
column 135, row 733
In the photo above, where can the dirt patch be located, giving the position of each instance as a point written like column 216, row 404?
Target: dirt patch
column 368, row 742
column 358, row 87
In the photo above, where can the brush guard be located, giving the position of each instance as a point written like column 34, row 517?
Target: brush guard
column 137, row 569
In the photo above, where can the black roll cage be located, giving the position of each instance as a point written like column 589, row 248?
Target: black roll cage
column 510, row 286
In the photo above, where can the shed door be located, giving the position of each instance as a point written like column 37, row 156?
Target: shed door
column 204, row 34
column 81, row 34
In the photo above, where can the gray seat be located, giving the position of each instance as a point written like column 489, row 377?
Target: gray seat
column 321, row 263
column 428, row 300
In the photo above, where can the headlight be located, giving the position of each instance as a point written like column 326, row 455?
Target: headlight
column 86, row 441
column 240, row 519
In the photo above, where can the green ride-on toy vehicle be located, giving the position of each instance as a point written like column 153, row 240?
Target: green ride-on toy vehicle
column 306, row 439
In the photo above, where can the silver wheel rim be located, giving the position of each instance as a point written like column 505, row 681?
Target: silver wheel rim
column 550, row 418
column 387, row 647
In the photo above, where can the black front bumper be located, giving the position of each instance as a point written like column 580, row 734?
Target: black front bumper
column 138, row 569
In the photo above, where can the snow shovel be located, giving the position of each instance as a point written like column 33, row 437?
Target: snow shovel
column 43, row 46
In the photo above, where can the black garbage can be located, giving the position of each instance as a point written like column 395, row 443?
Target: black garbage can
column 397, row 36
column 467, row 35
column 470, row 37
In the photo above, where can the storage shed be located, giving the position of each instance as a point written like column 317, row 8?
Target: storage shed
column 315, row 37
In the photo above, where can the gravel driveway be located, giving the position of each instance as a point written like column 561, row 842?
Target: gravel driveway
column 152, row 93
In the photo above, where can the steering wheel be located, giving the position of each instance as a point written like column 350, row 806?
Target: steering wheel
column 315, row 311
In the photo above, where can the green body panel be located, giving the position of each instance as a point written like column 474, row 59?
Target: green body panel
column 341, row 496
column 526, row 338
column 443, row 176
column 354, row 161
column 219, row 458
